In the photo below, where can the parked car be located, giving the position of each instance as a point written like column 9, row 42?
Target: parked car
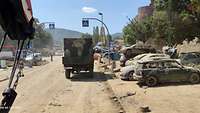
column 134, row 50
column 97, row 49
column 152, row 72
column 33, row 58
column 112, row 55
column 128, row 71
column 190, row 58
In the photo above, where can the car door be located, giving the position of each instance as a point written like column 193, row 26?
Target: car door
column 174, row 72
column 163, row 72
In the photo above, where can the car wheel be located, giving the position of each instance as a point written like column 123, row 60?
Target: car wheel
column 130, row 75
column 67, row 74
column 151, row 81
column 194, row 78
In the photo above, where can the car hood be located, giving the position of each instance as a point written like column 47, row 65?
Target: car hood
column 131, row 63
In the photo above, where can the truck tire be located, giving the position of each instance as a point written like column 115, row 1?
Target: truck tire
column 67, row 74
column 91, row 71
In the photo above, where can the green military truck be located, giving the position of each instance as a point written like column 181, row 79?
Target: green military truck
column 78, row 55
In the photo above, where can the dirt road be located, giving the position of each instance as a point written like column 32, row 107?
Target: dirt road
column 44, row 89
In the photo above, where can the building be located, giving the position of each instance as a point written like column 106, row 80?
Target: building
column 145, row 11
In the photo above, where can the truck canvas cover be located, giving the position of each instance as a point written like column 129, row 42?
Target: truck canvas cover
column 77, row 51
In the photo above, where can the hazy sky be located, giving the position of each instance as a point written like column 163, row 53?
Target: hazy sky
column 69, row 13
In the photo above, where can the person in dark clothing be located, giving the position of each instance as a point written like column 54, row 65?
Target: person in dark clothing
column 51, row 57
column 21, row 68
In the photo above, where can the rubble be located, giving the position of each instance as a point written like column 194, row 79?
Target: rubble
column 144, row 109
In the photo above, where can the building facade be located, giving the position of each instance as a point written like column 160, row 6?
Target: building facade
column 145, row 11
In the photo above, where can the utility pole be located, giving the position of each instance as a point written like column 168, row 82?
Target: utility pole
column 101, row 14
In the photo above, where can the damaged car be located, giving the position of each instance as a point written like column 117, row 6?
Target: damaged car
column 152, row 72
column 134, row 50
column 190, row 58
column 128, row 71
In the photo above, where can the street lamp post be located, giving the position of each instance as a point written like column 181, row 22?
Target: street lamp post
column 101, row 14
column 109, row 36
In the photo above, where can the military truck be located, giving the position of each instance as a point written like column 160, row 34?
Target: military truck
column 78, row 55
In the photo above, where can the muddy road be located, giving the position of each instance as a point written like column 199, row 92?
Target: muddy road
column 44, row 89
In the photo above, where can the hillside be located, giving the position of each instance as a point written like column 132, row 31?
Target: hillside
column 117, row 35
column 59, row 33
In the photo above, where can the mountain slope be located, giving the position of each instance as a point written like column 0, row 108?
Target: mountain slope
column 117, row 35
column 59, row 33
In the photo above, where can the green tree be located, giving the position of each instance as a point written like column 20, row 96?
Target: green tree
column 86, row 35
column 42, row 39
column 96, row 36
column 103, row 37
column 172, row 21
column 138, row 30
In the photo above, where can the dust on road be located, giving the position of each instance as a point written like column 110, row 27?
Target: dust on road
column 44, row 89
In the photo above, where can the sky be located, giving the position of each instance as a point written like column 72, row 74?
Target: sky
column 68, row 14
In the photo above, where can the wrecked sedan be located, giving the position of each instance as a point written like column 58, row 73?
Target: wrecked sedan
column 190, row 58
column 134, row 50
column 128, row 71
column 152, row 72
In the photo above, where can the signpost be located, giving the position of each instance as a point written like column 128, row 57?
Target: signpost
column 51, row 26
column 85, row 23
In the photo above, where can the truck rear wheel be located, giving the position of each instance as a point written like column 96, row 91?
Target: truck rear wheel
column 67, row 74
column 91, row 71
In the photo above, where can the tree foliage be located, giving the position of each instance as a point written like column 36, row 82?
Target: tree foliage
column 42, row 39
column 172, row 21
column 86, row 35
column 96, row 35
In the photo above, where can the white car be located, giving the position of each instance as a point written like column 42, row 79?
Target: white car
column 128, row 71
column 34, row 57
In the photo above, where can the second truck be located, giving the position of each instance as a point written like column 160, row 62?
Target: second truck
column 78, row 55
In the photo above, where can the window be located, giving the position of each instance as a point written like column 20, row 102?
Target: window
column 153, row 65
column 172, row 65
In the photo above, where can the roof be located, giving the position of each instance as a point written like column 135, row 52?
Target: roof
column 154, row 60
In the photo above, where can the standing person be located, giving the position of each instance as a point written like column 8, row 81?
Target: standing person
column 21, row 68
column 51, row 56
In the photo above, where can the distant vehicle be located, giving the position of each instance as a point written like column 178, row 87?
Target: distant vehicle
column 152, row 72
column 59, row 53
column 6, row 55
column 78, row 55
column 112, row 55
column 37, row 57
column 100, row 49
column 97, row 49
column 24, row 53
column 134, row 50
column 190, row 58
column 128, row 71
column 33, row 58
